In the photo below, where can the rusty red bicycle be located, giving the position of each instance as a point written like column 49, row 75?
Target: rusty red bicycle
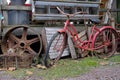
column 102, row 41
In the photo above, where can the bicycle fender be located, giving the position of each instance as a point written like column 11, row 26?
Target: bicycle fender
column 105, row 27
column 62, row 30
column 101, row 29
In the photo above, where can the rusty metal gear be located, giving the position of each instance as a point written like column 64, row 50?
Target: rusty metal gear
column 22, row 38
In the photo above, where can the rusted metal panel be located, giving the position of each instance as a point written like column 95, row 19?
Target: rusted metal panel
column 15, row 60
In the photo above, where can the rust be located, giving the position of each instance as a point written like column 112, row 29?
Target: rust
column 16, row 60
column 17, row 38
column 18, row 46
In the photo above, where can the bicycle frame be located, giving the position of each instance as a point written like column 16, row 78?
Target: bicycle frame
column 88, row 44
column 102, row 41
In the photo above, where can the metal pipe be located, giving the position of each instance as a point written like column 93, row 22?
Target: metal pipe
column 46, row 3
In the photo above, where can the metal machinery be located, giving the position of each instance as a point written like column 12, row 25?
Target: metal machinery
column 20, row 29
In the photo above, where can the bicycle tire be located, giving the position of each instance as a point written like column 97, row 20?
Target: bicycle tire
column 50, row 62
column 107, row 36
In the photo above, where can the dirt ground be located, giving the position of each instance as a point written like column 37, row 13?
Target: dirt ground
column 102, row 73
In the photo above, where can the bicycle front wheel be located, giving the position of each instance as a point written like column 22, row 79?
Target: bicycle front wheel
column 55, row 49
column 105, row 43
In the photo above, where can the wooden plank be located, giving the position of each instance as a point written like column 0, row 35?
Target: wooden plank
column 74, row 1
column 71, row 47
column 61, row 17
column 106, row 14
column 44, row 40
column 15, row 7
column 72, row 7
column 58, row 3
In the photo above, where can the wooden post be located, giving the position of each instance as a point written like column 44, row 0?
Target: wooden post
column 106, row 15
column 71, row 46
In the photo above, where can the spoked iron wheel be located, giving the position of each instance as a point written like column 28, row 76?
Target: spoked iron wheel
column 106, row 43
column 22, row 38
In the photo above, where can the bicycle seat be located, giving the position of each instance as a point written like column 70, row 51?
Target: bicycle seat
column 95, row 20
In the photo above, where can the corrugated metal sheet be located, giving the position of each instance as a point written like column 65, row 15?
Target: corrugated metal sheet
column 49, row 34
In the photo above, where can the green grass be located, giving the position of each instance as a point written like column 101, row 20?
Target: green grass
column 66, row 68
column 70, row 68
column 115, row 58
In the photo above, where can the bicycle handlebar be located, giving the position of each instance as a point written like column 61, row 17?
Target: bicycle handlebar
column 67, row 14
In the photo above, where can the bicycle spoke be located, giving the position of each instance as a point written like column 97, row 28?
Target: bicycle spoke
column 105, row 36
column 55, row 48
column 106, row 46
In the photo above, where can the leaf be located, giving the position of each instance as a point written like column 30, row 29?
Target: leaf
column 12, row 68
column 2, row 69
column 104, row 63
column 40, row 66
column 29, row 72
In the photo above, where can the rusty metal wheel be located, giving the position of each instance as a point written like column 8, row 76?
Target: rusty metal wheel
column 22, row 38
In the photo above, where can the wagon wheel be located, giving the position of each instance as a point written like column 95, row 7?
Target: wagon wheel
column 22, row 38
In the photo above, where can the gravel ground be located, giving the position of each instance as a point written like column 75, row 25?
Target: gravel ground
column 102, row 73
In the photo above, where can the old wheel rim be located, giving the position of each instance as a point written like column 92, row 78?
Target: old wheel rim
column 26, row 40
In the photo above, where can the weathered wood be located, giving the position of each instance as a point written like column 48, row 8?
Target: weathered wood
column 61, row 17
column 68, row 3
column 73, row 1
column 68, row 6
column 106, row 14
column 71, row 47
column 111, row 10
column 15, row 7
column 44, row 39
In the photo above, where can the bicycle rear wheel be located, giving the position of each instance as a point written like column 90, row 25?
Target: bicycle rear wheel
column 105, row 43
column 56, row 46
